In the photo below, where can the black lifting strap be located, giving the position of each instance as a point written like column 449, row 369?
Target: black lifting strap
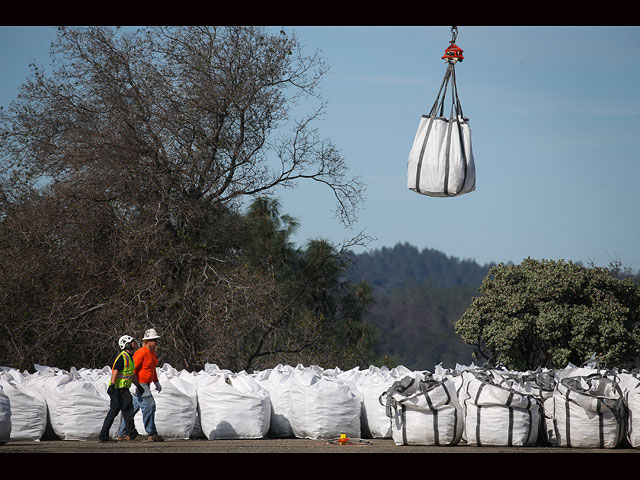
column 449, row 76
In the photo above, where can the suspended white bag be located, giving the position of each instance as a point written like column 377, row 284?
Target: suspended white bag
column 176, row 406
column 424, row 410
column 232, row 407
column 588, row 412
column 498, row 415
column 5, row 418
column 29, row 409
column 323, row 407
column 441, row 160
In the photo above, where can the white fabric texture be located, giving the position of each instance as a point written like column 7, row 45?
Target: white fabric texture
column 588, row 412
column 498, row 415
column 176, row 406
column 232, row 407
column 277, row 382
column 29, row 409
column 441, row 160
column 5, row 418
column 426, row 412
column 323, row 407
column 77, row 407
column 631, row 388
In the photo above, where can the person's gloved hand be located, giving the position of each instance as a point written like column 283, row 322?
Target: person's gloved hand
column 139, row 390
column 158, row 386
column 111, row 389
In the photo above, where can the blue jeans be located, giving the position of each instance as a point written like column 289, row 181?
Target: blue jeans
column 147, row 404
column 119, row 401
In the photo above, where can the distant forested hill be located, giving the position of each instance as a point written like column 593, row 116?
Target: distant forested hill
column 418, row 296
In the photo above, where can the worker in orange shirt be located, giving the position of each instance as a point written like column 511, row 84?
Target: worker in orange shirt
column 146, row 361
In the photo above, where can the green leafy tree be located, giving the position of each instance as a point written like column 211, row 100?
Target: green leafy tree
column 548, row 313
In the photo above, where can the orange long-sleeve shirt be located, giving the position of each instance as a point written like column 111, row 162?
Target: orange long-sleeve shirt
column 145, row 362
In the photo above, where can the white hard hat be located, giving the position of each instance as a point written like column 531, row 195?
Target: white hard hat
column 124, row 341
column 150, row 334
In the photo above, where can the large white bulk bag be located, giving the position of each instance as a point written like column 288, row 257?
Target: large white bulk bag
column 498, row 415
column 441, row 160
column 588, row 412
column 539, row 383
column 323, row 407
column 77, row 407
column 424, row 410
column 630, row 385
column 29, row 409
column 373, row 385
column 191, row 378
column 277, row 382
column 5, row 418
column 232, row 407
column 176, row 406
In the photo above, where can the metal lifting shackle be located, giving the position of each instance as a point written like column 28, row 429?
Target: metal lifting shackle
column 453, row 53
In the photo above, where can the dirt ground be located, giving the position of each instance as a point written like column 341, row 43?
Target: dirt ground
column 279, row 446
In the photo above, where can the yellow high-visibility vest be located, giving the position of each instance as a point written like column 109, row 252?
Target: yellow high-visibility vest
column 125, row 376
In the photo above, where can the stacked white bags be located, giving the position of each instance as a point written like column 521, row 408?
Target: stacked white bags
column 424, row 411
column 29, row 409
column 232, row 406
column 498, row 415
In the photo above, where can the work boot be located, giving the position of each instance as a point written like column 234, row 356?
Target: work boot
column 156, row 438
column 137, row 438
column 106, row 440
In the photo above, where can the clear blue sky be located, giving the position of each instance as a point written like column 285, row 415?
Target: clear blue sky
column 555, row 119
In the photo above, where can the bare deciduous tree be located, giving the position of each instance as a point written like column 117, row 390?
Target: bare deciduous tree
column 125, row 168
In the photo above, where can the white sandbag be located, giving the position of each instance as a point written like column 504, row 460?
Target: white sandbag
column 588, row 412
column 77, row 407
column 539, row 383
column 424, row 410
column 232, row 407
column 176, row 406
column 29, row 409
column 277, row 382
column 373, row 385
column 5, row 418
column 323, row 407
column 191, row 378
column 630, row 385
column 441, row 160
column 498, row 415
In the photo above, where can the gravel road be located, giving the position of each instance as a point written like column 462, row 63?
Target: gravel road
column 273, row 446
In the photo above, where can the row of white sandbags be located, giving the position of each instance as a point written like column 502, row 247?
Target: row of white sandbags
column 573, row 407
column 306, row 402
column 302, row 402
column 75, row 403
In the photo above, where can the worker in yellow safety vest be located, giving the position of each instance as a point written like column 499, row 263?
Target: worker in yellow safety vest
column 122, row 376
